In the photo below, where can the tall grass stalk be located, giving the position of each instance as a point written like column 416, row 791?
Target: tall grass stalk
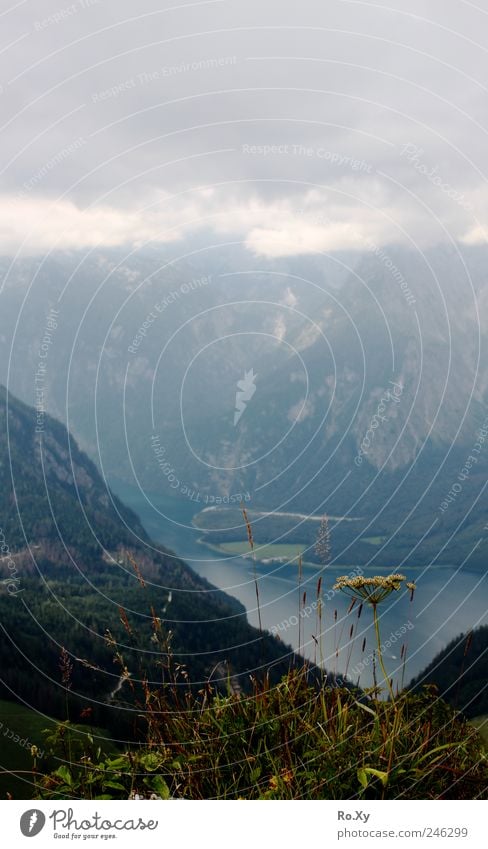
column 253, row 554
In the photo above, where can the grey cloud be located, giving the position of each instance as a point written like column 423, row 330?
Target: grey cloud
column 112, row 107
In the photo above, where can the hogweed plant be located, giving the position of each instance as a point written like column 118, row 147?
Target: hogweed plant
column 373, row 591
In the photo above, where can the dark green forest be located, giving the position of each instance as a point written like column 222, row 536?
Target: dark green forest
column 460, row 673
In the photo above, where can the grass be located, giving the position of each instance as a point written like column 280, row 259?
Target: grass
column 305, row 738
column 20, row 729
column 292, row 741
column 481, row 725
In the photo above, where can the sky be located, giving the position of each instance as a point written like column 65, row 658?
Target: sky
column 295, row 127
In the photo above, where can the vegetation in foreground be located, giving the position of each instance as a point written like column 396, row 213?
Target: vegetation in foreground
column 302, row 738
column 291, row 741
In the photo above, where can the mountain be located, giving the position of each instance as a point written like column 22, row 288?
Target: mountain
column 79, row 575
column 460, row 673
column 369, row 371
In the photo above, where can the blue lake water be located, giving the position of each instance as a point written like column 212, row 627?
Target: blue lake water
column 448, row 600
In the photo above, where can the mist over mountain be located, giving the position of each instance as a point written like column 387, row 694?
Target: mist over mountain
column 369, row 375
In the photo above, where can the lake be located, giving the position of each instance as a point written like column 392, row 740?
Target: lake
column 448, row 600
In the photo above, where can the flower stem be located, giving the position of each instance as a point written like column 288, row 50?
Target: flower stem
column 380, row 654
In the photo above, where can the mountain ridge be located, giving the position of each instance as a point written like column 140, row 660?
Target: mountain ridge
column 74, row 571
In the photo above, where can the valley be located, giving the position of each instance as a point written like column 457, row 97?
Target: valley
column 243, row 418
column 450, row 596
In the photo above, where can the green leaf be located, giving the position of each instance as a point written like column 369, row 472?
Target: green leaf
column 151, row 761
column 256, row 774
column 363, row 778
column 115, row 785
column 364, row 773
column 64, row 774
column 117, row 764
column 366, row 708
column 437, row 749
column 383, row 776
column 159, row 786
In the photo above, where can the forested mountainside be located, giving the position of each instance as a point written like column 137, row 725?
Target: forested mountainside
column 78, row 573
column 460, row 673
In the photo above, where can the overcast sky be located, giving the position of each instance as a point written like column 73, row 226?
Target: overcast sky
column 297, row 126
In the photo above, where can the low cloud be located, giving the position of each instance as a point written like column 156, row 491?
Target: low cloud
column 297, row 128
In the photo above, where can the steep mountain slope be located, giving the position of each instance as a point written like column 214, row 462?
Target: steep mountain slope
column 460, row 672
column 77, row 572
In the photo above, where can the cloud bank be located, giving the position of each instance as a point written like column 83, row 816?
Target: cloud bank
column 298, row 128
